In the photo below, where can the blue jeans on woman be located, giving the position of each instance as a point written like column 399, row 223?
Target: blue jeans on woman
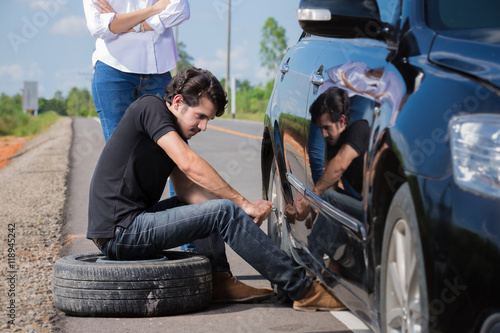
column 113, row 92
column 316, row 149
column 169, row 224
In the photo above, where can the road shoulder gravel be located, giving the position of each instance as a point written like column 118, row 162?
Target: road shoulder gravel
column 32, row 198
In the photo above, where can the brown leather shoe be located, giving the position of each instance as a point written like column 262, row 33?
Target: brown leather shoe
column 227, row 289
column 317, row 298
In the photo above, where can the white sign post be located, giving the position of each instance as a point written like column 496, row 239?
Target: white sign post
column 233, row 96
column 30, row 97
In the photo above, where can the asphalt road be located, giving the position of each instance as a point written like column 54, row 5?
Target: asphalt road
column 233, row 148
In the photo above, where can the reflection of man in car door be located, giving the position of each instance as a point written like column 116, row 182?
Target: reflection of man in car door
column 360, row 83
column 346, row 145
column 340, row 185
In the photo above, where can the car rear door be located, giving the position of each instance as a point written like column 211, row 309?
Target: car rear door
column 288, row 108
column 334, row 235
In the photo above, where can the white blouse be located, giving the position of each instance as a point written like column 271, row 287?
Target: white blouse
column 148, row 52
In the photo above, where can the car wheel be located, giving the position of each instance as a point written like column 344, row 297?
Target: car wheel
column 275, row 219
column 403, row 286
column 275, row 222
column 91, row 285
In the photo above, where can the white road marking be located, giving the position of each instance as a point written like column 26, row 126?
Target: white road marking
column 351, row 321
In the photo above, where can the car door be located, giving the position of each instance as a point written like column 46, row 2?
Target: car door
column 288, row 107
column 332, row 238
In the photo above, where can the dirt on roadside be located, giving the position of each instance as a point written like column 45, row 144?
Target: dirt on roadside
column 10, row 146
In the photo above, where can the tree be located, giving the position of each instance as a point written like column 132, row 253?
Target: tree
column 79, row 103
column 185, row 60
column 58, row 95
column 243, row 85
column 56, row 104
column 73, row 102
column 273, row 45
column 11, row 113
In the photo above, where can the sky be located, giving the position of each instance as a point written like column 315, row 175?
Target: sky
column 48, row 41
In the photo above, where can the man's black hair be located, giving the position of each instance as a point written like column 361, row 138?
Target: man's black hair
column 335, row 102
column 194, row 84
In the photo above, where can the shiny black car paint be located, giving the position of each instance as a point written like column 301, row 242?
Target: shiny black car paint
column 440, row 75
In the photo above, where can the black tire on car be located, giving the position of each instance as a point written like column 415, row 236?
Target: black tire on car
column 403, row 287
column 91, row 285
column 276, row 228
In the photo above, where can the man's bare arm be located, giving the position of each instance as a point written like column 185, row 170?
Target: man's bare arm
column 204, row 175
column 187, row 191
column 335, row 168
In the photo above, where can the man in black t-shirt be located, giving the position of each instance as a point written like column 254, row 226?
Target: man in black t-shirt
column 341, row 183
column 355, row 136
column 346, row 145
column 128, row 222
column 346, row 142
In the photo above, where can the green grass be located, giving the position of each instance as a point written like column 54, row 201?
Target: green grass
column 251, row 103
column 259, row 117
column 34, row 125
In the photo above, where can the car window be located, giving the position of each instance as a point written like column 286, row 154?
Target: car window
column 390, row 10
column 462, row 14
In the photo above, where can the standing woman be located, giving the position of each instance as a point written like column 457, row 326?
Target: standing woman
column 135, row 51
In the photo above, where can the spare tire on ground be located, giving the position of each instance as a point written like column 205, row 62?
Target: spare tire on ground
column 91, row 285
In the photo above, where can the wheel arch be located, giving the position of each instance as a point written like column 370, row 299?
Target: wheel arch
column 266, row 160
column 388, row 177
column 272, row 149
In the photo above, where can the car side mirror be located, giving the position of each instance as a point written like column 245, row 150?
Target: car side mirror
column 340, row 18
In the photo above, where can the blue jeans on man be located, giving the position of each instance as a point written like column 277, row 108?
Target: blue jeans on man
column 170, row 224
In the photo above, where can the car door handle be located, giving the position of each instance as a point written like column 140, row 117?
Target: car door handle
column 376, row 109
column 317, row 78
column 284, row 67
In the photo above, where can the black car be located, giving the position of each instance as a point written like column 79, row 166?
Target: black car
column 420, row 250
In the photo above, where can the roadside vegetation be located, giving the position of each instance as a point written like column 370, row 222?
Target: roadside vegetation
column 251, row 101
column 14, row 121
